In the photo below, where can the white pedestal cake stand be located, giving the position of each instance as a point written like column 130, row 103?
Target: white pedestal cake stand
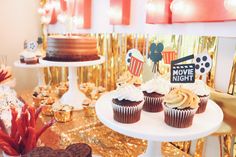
column 73, row 96
column 153, row 128
column 40, row 73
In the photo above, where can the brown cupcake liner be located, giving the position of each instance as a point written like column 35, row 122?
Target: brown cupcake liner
column 37, row 101
column 127, row 114
column 47, row 110
column 202, row 104
column 63, row 116
column 152, row 104
column 178, row 118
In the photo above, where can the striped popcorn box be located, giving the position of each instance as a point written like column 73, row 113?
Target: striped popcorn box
column 168, row 56
column 136, row 66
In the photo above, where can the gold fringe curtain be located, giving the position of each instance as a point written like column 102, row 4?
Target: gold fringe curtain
column 232, row 83
column 115, row 46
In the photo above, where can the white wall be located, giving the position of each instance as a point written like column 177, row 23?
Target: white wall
column 19, row 21
column 225, row 55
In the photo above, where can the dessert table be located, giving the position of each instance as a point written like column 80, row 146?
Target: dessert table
column 153, row 128
column 73, row 96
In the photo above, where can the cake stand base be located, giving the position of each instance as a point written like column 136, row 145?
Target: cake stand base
column 153, row 149
column 73, row 96
column 40, row 75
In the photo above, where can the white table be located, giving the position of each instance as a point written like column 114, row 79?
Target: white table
column 73, row 96
column 38, row 66
column 152, row 127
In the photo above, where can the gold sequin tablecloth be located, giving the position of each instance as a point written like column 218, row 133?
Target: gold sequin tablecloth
column 104, row 141
column 108, row 143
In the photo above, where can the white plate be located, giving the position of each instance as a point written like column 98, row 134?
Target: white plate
column 152, row 125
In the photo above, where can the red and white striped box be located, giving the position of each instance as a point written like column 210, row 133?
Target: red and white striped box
column 135, row 66
column 168, row 56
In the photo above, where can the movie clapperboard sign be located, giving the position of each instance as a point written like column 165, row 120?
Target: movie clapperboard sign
column 182, row 73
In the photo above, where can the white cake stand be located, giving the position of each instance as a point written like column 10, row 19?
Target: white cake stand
column 39, row 67
column 153, row 128
column 73, row 96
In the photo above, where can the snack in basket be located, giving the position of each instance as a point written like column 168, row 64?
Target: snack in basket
column 23, row 135
column 62, row 112
column 47, row 106
column 154, row 91
column 89, row 107
column 91, row 90
column 180, row 105
column 127, row 104
column 202, row 91
column 86, row 88
column 40, row 93
column 97, row 92
column 62, row 88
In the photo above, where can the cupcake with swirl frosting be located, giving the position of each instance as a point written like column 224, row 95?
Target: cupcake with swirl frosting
column 128, row 78
column 180, row 105
column 127, row 104
column 202, row 91
column 154, row 91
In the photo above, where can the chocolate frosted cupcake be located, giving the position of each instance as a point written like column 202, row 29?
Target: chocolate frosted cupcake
column 180, row 105
column 202, row 91
column 127, row 104
column 79, row 150
column 154, row 91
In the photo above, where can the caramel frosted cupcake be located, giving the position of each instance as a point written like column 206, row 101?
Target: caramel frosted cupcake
column 154, row 91
column 180, row 105
column 202, row 91
column 127, row 104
